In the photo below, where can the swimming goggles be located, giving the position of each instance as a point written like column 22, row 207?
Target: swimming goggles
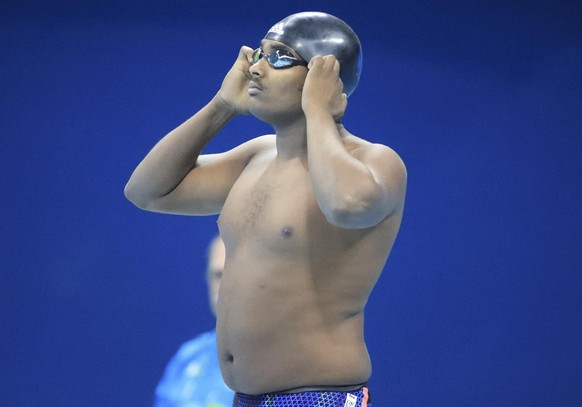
column 278, row 59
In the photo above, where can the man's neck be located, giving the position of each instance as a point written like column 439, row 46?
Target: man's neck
column 292, row 140
column 291, row 146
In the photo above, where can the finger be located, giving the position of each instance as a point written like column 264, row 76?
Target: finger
column 340, row 85
column 330, row 61
column 316, row 60
column 246, row 54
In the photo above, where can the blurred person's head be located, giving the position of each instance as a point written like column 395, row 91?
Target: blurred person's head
column 214, row 268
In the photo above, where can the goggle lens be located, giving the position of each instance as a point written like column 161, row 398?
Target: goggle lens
column 278, row 59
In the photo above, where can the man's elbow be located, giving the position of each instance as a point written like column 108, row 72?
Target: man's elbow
column 134, row 195
column 356, row 212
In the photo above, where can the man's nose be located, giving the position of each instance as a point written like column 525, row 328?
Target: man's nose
column 256, row 70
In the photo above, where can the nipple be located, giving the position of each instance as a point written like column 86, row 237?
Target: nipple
column 287, row 231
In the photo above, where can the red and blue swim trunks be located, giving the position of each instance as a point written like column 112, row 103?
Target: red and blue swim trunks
column 319, row 398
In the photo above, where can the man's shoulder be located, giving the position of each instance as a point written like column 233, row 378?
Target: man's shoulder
column 257, row 145
column 361, row 148
column 265, row 141
column 379, row 157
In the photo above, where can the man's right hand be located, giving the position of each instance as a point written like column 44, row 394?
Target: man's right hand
column 233, row 93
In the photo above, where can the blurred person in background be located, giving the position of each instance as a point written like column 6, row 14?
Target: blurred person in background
column 192, row 377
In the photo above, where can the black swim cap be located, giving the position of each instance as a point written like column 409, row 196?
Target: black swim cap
column 314, row 33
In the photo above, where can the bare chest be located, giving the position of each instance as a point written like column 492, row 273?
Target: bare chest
column 270, row 202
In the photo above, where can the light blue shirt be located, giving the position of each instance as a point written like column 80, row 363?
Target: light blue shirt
column 192, row 377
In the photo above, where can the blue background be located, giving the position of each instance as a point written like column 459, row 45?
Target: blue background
column 480, row 301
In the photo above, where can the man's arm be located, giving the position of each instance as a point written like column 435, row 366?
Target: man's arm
column 174, row 177
column 354, row 189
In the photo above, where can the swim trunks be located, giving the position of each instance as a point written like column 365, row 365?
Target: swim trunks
column 356, row 398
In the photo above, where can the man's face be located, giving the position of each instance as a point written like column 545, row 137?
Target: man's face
column 214, row 270
column 275, row 93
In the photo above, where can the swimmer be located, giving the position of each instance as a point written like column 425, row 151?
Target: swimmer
column 308, row 215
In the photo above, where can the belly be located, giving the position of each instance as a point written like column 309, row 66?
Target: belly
column 277, row 330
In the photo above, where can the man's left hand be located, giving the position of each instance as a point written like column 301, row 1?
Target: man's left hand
column 323, row 88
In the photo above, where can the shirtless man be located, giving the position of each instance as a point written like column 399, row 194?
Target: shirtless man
column 308, row 215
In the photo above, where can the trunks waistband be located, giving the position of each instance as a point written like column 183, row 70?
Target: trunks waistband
column 351, row 387
column 316, row 398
